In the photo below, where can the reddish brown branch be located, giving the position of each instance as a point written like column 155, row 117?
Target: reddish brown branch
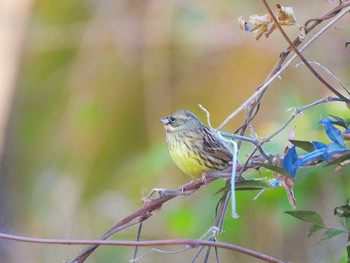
column 151, row 208
column 191, row 243
column 137, row 217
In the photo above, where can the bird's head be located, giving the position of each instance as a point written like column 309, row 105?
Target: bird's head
column 181, row 120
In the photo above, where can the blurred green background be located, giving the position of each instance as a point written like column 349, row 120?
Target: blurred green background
column 83, row 141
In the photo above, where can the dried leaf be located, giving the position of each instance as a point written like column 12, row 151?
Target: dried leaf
column 261, row 24
column 264, row 25
column 286, row 15
column 271, row 28
column 287, row 183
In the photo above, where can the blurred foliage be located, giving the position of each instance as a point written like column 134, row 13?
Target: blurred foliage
column 84, row 142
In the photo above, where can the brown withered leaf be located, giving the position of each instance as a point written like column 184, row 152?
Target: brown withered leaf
column 260, row 24
column 286, row 15
column 287, row 183
column 271, row 28
column 264, row 25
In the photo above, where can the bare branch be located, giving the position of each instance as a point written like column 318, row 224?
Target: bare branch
column 191, row 243
column 314, row 72
column 278, row 68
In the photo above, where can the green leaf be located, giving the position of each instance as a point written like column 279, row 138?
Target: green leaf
column 275, row 168
column 308, row 216
column 345, row 222
column 252, row 185
column 340, row 121
column 342, row 158
column 313, row 229
column 305, row 145
column 332, row 232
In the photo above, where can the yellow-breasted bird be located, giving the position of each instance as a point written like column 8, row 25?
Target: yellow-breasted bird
column 192, row 146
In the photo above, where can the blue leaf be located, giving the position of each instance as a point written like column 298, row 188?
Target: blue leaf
column 289, row 160
column 318, row 145
column 332, row 148
column 325, row 120
column 310, row 157
column 332, row 132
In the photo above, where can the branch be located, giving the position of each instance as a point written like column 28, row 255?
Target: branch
column 329, row 73
column 298, row 111
column 307, row 64
column 191, row 243
column 152, row 206
column 309, row 26
column 278, row 68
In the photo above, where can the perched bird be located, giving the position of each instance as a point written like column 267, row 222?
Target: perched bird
column 192, row 146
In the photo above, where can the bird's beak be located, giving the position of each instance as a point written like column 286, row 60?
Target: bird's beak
column 165, row 120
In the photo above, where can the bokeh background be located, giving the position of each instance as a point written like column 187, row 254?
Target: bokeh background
column 82, row 87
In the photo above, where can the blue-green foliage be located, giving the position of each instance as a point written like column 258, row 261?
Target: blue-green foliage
column 319, row 150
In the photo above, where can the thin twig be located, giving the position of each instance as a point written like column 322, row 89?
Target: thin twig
column 296, row 112
column 159, row 251
column 138, row 239
column 328, row 72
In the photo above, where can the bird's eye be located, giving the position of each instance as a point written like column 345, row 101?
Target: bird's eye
column 172, row 119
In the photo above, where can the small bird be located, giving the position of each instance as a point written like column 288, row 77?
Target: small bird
column 192, row 146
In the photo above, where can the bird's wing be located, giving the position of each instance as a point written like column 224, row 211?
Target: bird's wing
column 213, row 146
